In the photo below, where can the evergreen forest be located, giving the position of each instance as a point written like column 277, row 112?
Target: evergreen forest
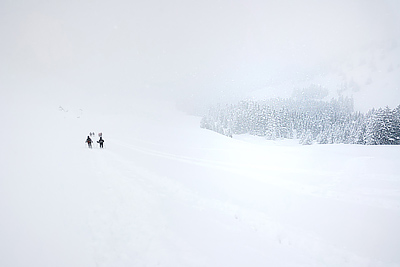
column 309, row 120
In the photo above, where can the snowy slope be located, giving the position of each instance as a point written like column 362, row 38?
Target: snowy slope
column 369, row 74
column 165, row 192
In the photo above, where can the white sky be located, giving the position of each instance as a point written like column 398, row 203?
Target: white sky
column 176, row 48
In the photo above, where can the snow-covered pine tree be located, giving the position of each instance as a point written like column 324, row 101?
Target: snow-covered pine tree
column 396, row 122
column 390, row 128
column 381, row 128
column 307, row 138
column 371, row 133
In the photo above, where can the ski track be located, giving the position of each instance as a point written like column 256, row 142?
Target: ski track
column 137, row 212
column 206, row 200
column 365, row 196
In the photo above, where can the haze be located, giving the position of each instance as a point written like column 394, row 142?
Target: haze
column 179, row 50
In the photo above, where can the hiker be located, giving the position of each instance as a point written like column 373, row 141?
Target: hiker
column 89, row 142
column 101, row 141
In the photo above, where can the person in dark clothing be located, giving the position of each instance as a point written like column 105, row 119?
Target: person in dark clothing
column 101, row 141
column 89, row 142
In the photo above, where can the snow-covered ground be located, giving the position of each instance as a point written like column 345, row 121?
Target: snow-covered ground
column 165, row 192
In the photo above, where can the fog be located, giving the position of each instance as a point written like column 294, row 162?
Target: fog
column 187, row 51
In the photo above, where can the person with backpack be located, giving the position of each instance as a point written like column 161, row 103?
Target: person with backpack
column 89, row 142
column 101, row 141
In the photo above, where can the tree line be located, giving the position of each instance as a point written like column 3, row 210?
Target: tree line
column 309, row 120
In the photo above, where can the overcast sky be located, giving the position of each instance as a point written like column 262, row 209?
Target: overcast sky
column 177, row 48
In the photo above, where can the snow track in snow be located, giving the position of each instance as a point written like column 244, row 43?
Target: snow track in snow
column 163, row 199
column 172, row 194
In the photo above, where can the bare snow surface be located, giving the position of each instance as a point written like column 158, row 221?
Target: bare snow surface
column 165, row 192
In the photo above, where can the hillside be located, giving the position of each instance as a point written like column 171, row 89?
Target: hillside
column 370, row 74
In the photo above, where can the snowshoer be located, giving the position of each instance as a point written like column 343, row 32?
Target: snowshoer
column 101, row 141
column 89, row 142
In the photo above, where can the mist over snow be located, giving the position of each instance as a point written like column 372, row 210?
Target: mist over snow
column 369, row 74
column 164, row 191
column 200, row 52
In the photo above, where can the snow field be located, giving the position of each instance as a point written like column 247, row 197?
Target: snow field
column 164, row 192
